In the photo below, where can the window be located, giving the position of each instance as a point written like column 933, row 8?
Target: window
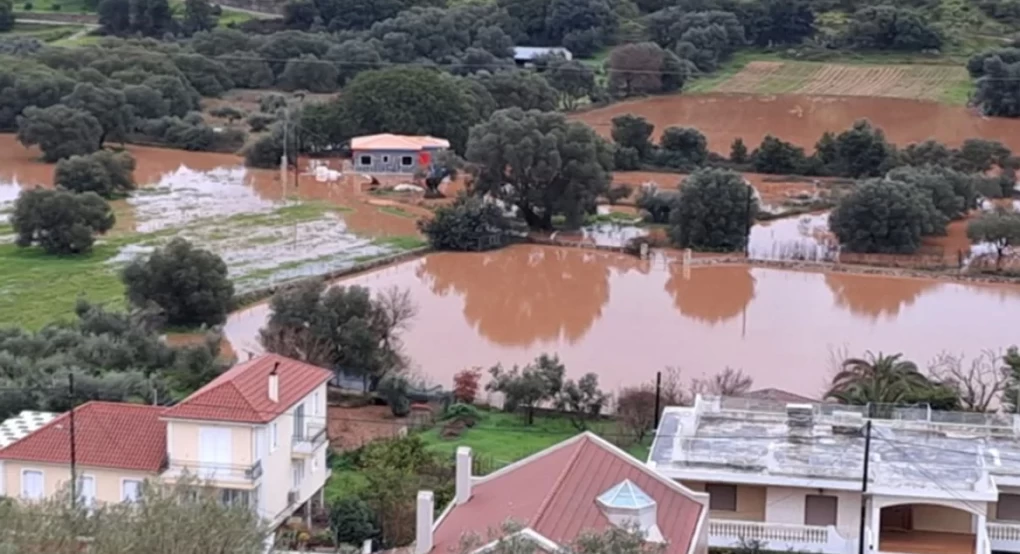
column 1009, row 507
column 315, row 464
column 297, row 470
column 87, row 490
column 131, row 490
column 315, row 403
column 722, row 497
column 235, row 497
column 274, row 439
column 299, row 422
column 385, row 159
column 406, row 161
column 31, row 484
column 366, row 160
column 820, row 510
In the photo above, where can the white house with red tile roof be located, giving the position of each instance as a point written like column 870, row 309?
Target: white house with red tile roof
column 257, row 433
column 395, row 154
column 583, row 484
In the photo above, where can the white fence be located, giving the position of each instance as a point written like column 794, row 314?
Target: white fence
column 778, row 537
column 1004, row 536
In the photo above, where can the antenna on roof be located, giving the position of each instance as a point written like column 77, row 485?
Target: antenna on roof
column 276, row 366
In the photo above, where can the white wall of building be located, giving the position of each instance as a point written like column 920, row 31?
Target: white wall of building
column 786, row 505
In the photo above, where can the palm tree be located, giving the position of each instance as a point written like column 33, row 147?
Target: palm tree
column 880, row 379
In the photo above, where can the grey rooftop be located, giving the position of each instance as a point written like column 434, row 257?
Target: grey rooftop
column 914, row 448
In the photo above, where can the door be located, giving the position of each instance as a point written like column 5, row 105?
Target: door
column 214, row 452
column 897, row 518
column 87, row 490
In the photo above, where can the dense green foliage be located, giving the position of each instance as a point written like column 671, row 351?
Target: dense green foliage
column 886, row 216
column 114, row 356
column 189, row 286
column 352, row 521
column 999, row 228
column 527, row 387
column 343, row 328
column 541, row 163
column 6, row 15
column 891, row 28
column 888, row 380
column 714, row 211
column 645, row 68
column 60, row 222
column 60, row 131
column 469, row 224
column 108, row 174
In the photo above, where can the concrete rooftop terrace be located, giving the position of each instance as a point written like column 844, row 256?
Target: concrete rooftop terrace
column 747, row 440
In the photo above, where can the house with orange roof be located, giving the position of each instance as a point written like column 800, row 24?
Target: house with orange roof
column 395, row 154
column 256, row 433
column 583, row 484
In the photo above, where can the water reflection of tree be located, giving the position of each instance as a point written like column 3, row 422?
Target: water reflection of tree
column 874, row 297
column 711, row 294
column 521, row 295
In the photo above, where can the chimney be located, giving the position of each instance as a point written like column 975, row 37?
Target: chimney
column 800, row 420
column 274, row 383
column 463, row 474
column 423, row 529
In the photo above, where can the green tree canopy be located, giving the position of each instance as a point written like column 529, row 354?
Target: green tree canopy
column 526, row 90
column 526, row 387
column 572, row 79
column 1000, row 228
column 714, row 211
column 777, row 156
column 308, row 73
column 189, row 285
column 953, row 193
column 108, row 174
column 880, row 379
column 60, row 222
column 885, row 216
column 891, row 28
column 469, row 224
column 862, row 151
column 59, row 131
column 682, row 148
column 541, row 163
column 631, row 131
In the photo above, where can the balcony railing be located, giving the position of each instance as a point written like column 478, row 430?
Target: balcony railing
column 214, row 472
column 1004, row 536
column 313, row 437
column 778, row 536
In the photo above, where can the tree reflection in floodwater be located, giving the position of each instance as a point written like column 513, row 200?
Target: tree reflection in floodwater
column 711, row 294
column 875, row 297
column 521, row 295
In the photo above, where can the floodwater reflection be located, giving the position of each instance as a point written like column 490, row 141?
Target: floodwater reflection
column 711, row 294
column 625, row 319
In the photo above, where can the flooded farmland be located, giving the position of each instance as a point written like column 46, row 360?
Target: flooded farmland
column 801, row 119
column 624, row 318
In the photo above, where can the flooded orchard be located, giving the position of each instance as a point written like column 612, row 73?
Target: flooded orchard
column 801, row 119
column 625, row 319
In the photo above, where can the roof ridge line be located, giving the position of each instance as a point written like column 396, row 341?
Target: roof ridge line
column 558, row 484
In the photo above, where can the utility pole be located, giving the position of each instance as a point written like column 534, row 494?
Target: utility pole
column 74, row 457
column 747, row 222
column 284, row 160
column 864, row 487
column 658, row 390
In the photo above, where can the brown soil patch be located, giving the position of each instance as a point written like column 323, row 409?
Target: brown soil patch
column 351, row 428
column 751, row 77
column 774, row 189
column 802, row 119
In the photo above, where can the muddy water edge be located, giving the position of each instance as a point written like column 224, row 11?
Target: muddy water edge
column 625, row 319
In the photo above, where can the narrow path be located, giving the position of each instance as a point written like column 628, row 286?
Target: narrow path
column 88, row 26
column 254, row 13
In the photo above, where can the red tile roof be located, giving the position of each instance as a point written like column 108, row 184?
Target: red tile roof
column 388, row 141
column 241, row 394
column 107, row 434
column 554, row 493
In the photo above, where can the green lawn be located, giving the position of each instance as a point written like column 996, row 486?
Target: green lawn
column 36, row 288
column 501, row 438
column 62, row 6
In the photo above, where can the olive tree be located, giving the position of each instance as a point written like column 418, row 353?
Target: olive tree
column 885, row 216
column 1000, row 228
column 541, row 163
column 59, row 221
column 188, row 284
column 59, row 131
column 572, row 79
column 529, row 386
column 108, row 105
column 714, row 211
column 108, row 174
column 470, row 223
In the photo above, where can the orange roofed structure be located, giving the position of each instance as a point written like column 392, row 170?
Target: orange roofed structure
column 583, row 484
column 395, row 154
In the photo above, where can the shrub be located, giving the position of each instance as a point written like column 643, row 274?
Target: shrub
column 227, row 112
column 272, row 102
column 27, row 6
column 618, row 192
column 469, row 224
column 59, row 221
column 626, row 158
column 189, row 284
column 715, row 211
column 105, row 173
column 466, row 385
column 635, row 409
column 394, row 388
column 352, row 521
column 258, row 122
column 463, row 412
column 777, row 156
column 682, row 148
column 657, row 202
column 55, row 7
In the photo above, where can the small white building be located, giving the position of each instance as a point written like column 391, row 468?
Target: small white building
column 791, row 475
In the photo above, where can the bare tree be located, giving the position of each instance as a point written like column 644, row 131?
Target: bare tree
column 513, row 538
column 298, row 344
column 635, row 409
column 673, row 392
column 979, row 385
column 731, row 382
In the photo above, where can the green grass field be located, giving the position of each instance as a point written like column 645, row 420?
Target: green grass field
column 62, row 6
column 503, row 438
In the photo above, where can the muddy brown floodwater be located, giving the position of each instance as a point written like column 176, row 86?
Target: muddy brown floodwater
column 802, row 119
column 625, row 319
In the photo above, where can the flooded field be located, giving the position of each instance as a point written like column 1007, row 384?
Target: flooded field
column 802, row 119
column 264, row 231
column 625, row 319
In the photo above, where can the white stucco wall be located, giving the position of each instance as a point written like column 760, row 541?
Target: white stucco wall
column 786, row 505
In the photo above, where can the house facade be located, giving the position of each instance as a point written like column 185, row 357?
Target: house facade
column 792, row 475
column 395, row 154
column 583, row 484
column 256, row 434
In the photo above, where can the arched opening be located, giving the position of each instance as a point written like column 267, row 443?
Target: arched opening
column 927, row 529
